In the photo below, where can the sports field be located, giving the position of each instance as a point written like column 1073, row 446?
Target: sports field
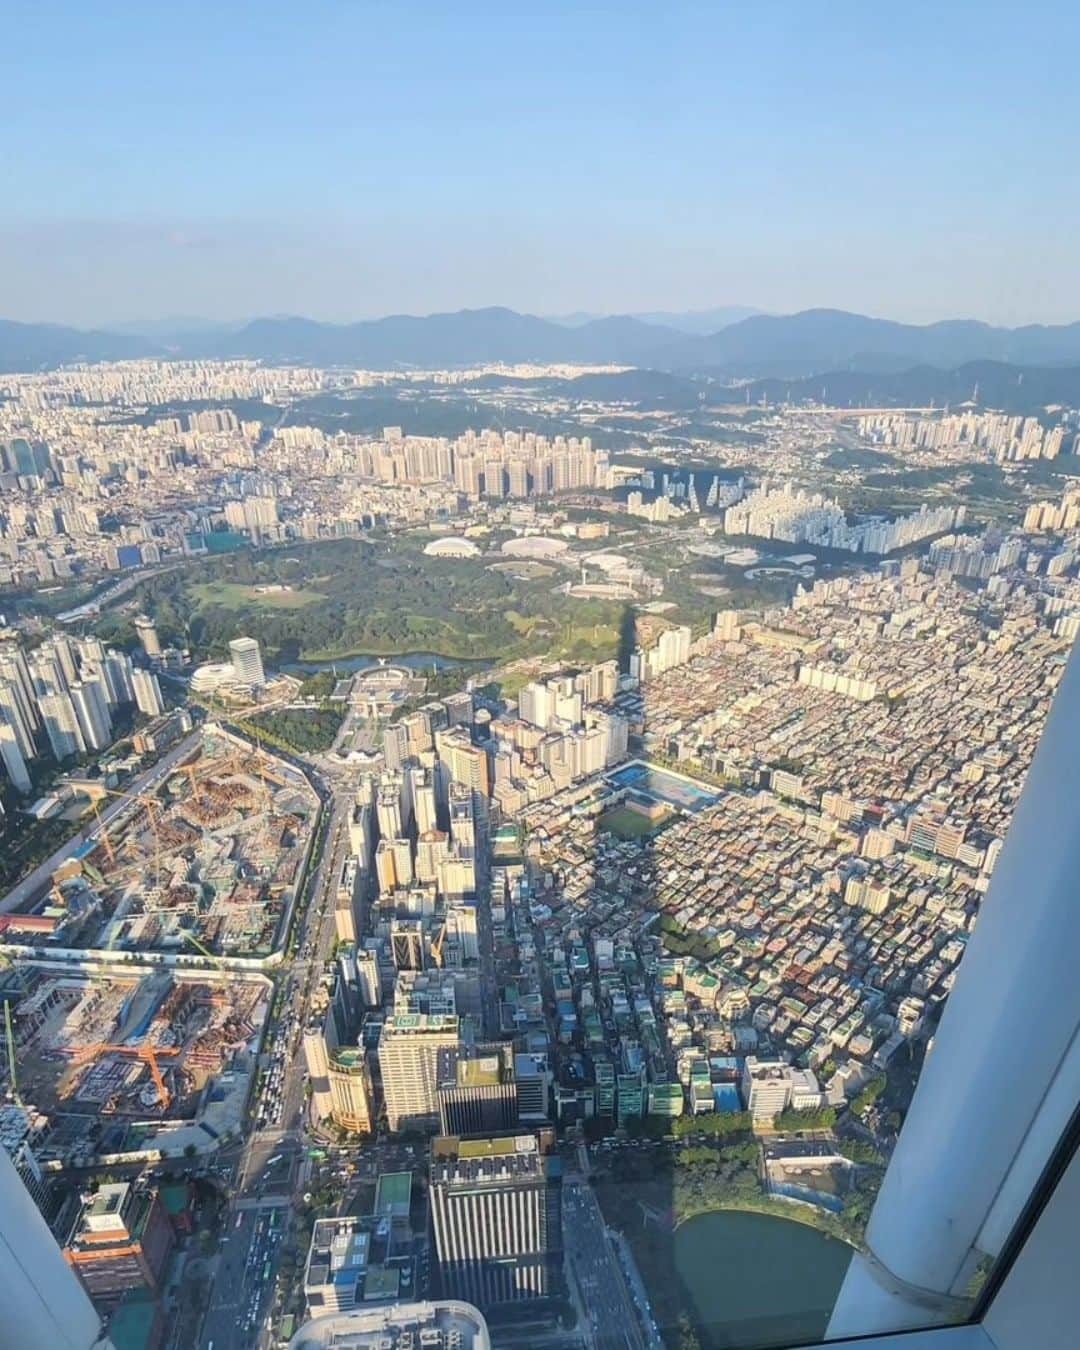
column 661, row 786
column 627, row 824
column 232, row 595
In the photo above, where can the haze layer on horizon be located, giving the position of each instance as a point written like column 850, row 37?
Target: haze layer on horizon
column 350, row 161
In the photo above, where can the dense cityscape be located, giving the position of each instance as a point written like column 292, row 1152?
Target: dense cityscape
column 439, row 866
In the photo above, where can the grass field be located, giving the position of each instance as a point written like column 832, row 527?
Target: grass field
column 627, row 824
column 232, row 595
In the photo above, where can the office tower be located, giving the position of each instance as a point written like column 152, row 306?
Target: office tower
column 92, row 710
column 247, row 662
column 407, row 944
column 459, row 709
column 771, row 1086
column 456, row 877
column 388, row 810
column 462, row 923
column 403, row 867
column 147, row 634
column 408, row 1060
column 536, row 704
column 496, row 1215
column 148, row 698
column 477, row 1091
column 44, row 1303
column 419, row 731
column 317, row 1063
column 395, row 745
column 61, row 725
column 532, row 1081
column 368, row 980
column 351, row 1093
column 385, row 870
column 432, row 848
column 463, row 829
column 467, row 762
column 120, row 1240
column 12, row 756
column 431, row 992
column 425, row 811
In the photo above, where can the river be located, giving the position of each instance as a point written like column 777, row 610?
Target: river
column 348, row 665
column 756, row 1280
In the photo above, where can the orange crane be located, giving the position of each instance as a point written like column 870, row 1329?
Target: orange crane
column 149, row 1054
column 148, row 802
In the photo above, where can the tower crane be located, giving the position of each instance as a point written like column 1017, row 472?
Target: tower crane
column 149, row 1054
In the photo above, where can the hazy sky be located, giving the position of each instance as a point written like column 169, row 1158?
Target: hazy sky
column 351, row 159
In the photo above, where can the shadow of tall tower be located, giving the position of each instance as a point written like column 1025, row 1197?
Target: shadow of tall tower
column 648, row 1013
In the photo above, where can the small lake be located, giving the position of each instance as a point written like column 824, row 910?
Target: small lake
column 349, row 665
column 756, row 1280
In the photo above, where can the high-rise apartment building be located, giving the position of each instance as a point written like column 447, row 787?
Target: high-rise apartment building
column 91, row 706
column 147, row 691
column 61, row 725
column 148, row 636
column 495, row 1207
column 12, row 756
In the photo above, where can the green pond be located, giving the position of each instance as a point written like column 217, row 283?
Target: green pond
column 756, row 1280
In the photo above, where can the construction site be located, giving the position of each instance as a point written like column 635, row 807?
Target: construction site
column 120, row 1062
column 208, row 862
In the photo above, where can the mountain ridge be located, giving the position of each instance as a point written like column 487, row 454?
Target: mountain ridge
column 791, row 346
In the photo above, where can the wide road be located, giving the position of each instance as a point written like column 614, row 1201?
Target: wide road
column 613, row 1320
column 270, row 1170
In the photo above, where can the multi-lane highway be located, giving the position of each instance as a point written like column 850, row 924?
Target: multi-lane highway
column 614, row 1320
column 270, row 1169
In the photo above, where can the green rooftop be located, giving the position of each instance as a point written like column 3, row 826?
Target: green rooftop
column 381, row 1282
column 480, row 1072
column 133, row 1322
column 393, row 1193
column 175, row 1198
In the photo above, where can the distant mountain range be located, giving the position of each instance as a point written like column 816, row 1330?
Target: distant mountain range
column 30, row 346
column 993, row 384
column 831, row 339
column 786, row 348
column 700, row 321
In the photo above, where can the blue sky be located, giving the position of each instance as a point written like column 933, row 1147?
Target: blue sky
column 352, row 159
